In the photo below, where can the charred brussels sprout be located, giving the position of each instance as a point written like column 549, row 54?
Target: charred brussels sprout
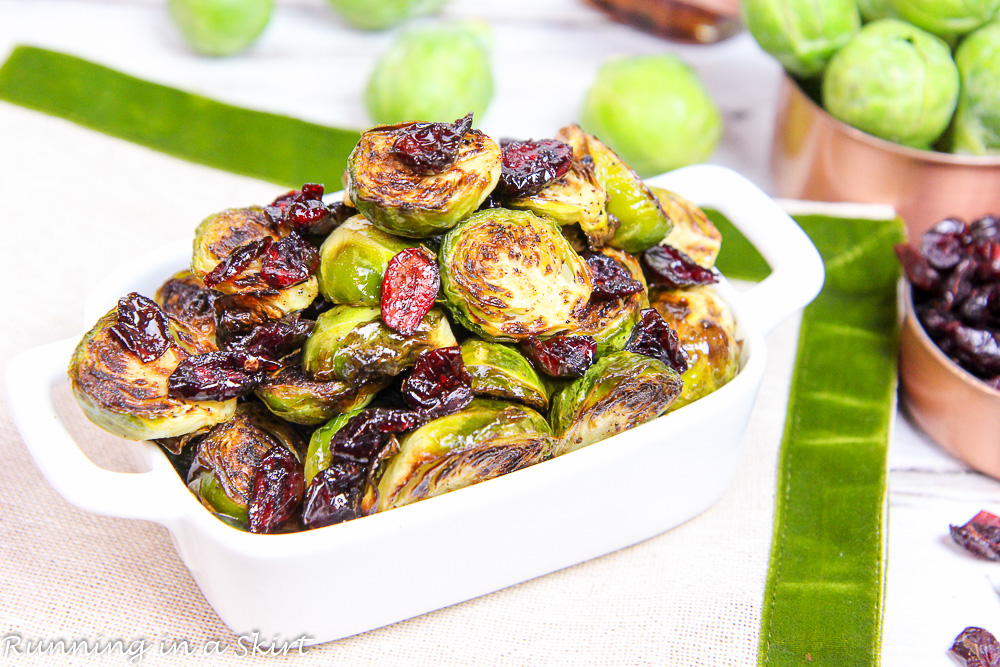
column 707, row 333
column 222, row 473
column 319, row 456
column 618, row 392
column 693, row 233
column 400, row 201
column 509, row 275
column 502, row 372
column 185, row 297
column 291, row 395
column 351, row 344
column 642, row 222
column 485, row 440
column 128, row 397
column 353, row 260
column 609, row 321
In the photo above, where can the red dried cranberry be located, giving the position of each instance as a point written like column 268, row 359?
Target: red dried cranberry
column 977, row 647
column 438, row 383
column 277, row 490
column 409, row 287
column 611, row 280
column 917, row 270
column 274, row 339
column 334, row 495
column 672, row 268
column 141, row 327
column 288, row 262
column 561, row 356
column 237, row 261
column 430, row 148
column 942, row 244
column 216, row 376
column 981, row 535
column 528, row 166
column 653, row 337
column 986, row 228
column 363, row 436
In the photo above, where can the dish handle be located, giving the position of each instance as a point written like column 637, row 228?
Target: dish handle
column 797, row 271
column 30, row 378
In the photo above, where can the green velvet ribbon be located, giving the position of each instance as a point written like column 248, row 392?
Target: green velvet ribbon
column 275, row 148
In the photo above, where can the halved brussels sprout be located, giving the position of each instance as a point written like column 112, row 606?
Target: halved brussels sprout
column 618, row 392
column 510, row 275
column 352, row 344
column 610, row 321
column 693, row 233
column 577, row 197
column 502, row 372
column 707, row 332
column 485, row 440
column 127, row 397
column 318, row 457
column 399, row 201
column 642, row 222
column 226, row 461
column 185, row 297
column 289, row 394
column 353, row 260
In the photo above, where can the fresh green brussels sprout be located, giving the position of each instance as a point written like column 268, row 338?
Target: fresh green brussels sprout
column 610, row 321
column 220, row 27
column 289, row 394
column 802, row 34
column 433, row 73
column 381, row 14
column 185, row 297
column 873, row 10
column 654, row 112
column 576, row 197
column 707, row 333
column 948, row 19
column 693, row 233
column 894, row 81
column 351, row 344
column 976, row 128
column 319, row 456
column 399, row 201
column 618, row 392
column 642, row 222
column 353, row 260
column 510, row 275
column 500, row 371
column 227, row 457
column 485, row 440
column 127, row 397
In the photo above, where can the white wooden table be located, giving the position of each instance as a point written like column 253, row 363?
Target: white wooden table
column 546, row 53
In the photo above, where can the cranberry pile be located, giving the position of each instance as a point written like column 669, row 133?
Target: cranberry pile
column 955, row 274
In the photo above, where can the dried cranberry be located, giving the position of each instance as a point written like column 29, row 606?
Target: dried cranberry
column 237, row 261
column 986, row 228
column 611, row 280
column 438, row 383
column 942, row 244
column 334, row 495
column 981, row 535
column 917, row 270
column 977, row 647
column 288, row 262
column 561, row 356
column 528, row 166
column 409, row 287
column 141, row 327
column 274, row 339
column 672, row 268
column 363, row 436
column 216, row 376
column 277, row 490
column 430, row 148
column 976, row 349
column 653, row 337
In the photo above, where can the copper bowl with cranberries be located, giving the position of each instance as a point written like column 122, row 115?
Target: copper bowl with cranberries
column 950, row 341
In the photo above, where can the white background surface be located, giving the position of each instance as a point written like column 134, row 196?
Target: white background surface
column 64, row 190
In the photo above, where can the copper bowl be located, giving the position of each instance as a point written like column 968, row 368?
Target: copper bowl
column 814, row 156
column 959, row 411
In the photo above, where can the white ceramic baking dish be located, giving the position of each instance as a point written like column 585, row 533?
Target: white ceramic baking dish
column 460, row 545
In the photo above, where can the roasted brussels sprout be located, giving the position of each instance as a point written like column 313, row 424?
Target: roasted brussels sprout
column 707, row 333
column 185, row 297
column 642, row 222
column 609, row 321
column 319, row 455
column 801, row 34
column 693, row 233
column 291, row 395
column 351, row 344
column 485, row 440
column 400, row 201
column 502, row 372
column 353, row 260
column 509, row 275
column 618, row 392
column 976, row 128
column 223, row 470
column 128, row 397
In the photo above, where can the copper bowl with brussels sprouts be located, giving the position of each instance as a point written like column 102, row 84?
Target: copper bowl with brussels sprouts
column 424, row 409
